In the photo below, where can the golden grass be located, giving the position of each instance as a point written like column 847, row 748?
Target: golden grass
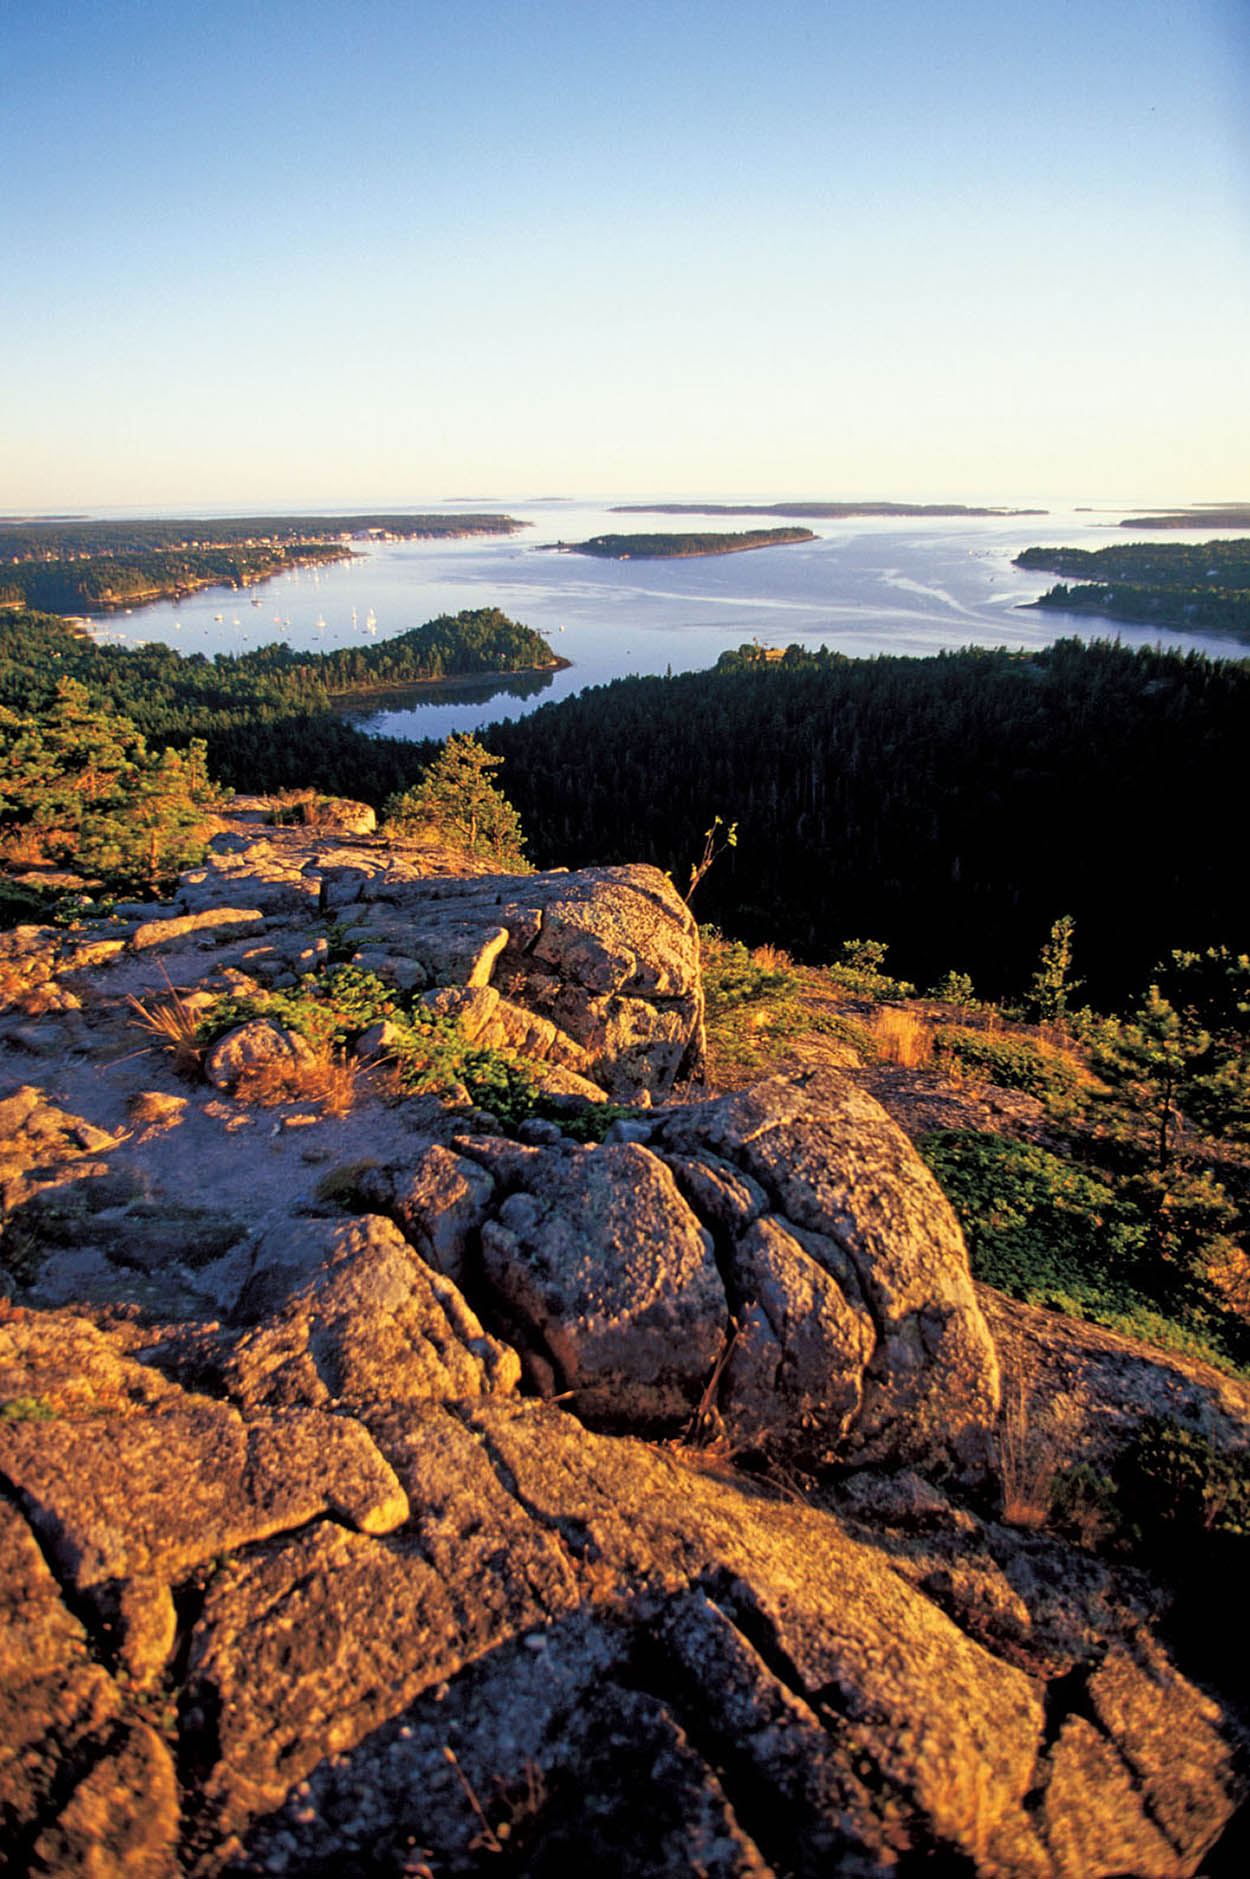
column 903, row 1038
column 322, row 1077
column 174, row 1025
column 1032, row 1448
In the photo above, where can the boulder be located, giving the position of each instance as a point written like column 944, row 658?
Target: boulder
column 258, row 1045
column 837, row 1171
column 339, row 815
column 372, row 1323
column 613, row 1278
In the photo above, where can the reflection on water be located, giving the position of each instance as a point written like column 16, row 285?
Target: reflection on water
column 865, row 586
column 417, row 711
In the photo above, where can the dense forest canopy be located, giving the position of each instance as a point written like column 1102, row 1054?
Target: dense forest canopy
column 98, row 583
column 952, row 806
column 1194, row 587
column 678, row 547
column 169, row 695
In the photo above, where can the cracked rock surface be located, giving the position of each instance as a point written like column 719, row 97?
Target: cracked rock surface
column 348, row 1517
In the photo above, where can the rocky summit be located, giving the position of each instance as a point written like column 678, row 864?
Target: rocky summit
column 384, row 1490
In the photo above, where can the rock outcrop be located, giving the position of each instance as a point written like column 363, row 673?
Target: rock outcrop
column 598, row 971
column 380, row 1493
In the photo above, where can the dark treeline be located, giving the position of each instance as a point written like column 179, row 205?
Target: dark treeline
column 953, row 806
column 94, row 583
column 1160, row 564
column 172, row 697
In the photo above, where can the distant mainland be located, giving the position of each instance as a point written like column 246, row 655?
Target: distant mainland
column 78, row 565
column 682, row 547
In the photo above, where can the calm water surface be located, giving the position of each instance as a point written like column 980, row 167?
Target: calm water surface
column 865, row 586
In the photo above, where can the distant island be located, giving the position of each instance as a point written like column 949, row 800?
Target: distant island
column 1181, row 586
column 682, row 547
column 73, row 566
column 1215, row 515
column 818, row 511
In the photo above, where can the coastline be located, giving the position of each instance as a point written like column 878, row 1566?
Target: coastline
column 377, row 697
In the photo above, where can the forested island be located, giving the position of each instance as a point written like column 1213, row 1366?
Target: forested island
column 85, row 566
column 1185, row 587
column 682, row 547
column 828, row 511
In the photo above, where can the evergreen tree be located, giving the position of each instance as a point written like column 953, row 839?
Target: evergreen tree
column 457, row 801
column 1052, row 983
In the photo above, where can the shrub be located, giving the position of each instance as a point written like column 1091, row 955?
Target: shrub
column 1014, row 1063
column 1054, row 1234
column 1173, row 1476
column 1036, row 1226
column 456, row 802
column 954, row 988
column 859, row 969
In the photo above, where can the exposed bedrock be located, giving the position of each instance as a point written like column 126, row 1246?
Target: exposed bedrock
column 381, row 1495
column 597, row 971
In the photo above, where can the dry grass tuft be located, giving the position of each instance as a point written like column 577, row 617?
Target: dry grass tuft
column 1032, row 1448
column 771, row 958
column 174, row 1025
column 706, row 1428
column 903, row 1038
column 322, row 1077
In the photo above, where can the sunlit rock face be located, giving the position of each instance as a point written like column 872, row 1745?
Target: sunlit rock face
column 385, row 1493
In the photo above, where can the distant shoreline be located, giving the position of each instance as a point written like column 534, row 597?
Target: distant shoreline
column 816, row 511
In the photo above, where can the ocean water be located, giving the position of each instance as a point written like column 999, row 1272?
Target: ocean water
column 865, row 586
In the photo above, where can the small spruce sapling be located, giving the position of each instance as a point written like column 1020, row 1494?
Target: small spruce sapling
column 1052, row 985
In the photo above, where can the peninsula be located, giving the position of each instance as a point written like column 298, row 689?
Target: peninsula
column 1181, row 586
column 683, row 547
column 79, row 565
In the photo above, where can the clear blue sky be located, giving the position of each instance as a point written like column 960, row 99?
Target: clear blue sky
column 286, row 251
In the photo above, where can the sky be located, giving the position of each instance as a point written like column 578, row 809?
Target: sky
column 284, row 252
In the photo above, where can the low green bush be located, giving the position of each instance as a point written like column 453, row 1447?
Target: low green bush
column 331, row 1009
column 1014, row 1063
column 1174, row 1476
column 1052, row 1233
